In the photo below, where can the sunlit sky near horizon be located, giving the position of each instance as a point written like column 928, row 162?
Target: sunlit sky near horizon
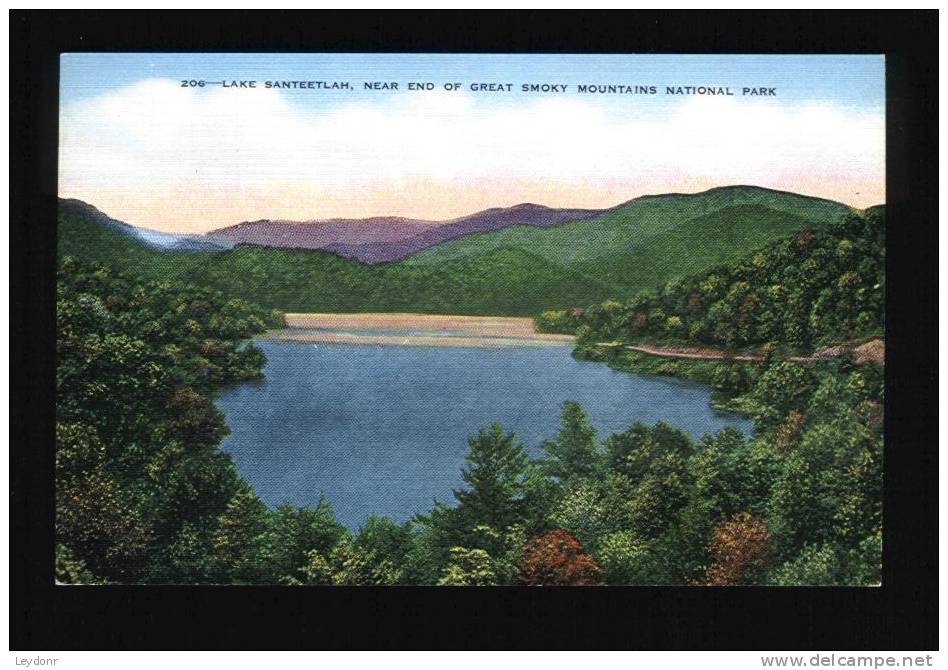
column 144, row 149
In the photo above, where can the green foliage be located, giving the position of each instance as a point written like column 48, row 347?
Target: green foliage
column 478, row 567
column 347, row 564
column 469, row 567
column 583, row 510
column 626, row 559
column 819, row 286
column 813, row 566
column 354, row 566
column 188, row 558
column 663, row 501
column 314, row 281
column 574, row 452
column 558, row 321
column 810, row 481
column 386, row 539
column 293, row 532
column 521, row 270
column 72, row 570
column 864, row 562
column 829, row 565
column 240, row 539
column 784, row 387
column 99, row 521
column 633, row 246
column 495, row 475
column 143, row 493
column 829, row 488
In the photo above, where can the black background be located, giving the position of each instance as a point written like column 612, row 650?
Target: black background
column 902, row 614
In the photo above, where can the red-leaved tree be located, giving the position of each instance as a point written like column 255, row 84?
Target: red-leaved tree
column 558, row 559
column 740, row 548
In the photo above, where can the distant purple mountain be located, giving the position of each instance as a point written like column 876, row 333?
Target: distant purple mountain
column 385, row 239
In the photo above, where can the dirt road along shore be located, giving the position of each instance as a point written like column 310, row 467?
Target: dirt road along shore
column 870, row 352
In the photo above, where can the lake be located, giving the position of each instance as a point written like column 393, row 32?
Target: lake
column 383, row 429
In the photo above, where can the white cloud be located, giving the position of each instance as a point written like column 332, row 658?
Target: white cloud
column 231, row 155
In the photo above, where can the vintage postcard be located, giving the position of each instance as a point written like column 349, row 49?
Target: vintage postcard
column 445, row 319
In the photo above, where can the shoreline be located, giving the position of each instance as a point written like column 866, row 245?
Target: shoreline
column 402, row 329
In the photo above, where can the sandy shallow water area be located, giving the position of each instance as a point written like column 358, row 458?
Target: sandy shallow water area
column 415, row 330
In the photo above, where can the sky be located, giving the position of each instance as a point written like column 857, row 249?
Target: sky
column 143, row 148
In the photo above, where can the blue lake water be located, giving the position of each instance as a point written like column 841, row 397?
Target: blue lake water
column 383, row 429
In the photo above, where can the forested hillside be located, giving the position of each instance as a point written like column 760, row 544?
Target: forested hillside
column 647, row 241
column 140, row 481
column 814, row 288
column 516, row 271
column 800, row 503
column 144, row 493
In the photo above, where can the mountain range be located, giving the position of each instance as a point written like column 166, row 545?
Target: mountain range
column 505, row 261
column 390, row 238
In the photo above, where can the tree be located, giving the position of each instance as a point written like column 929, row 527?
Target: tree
column 187, row 558
column 558, row 559
column 193, row 419
column 634, row 452
column 432, row 537
column 294, row 532
column 239, row 542
column 788, row 434
column 829, row 488
column 100, row 522
column 740, row 549
column 352, row 566
column 479, row 567
column 816, row 565
column 469, row 567
column 496, row 472
column 864, row 562
column 574, row 452
column 654, row 500
column 72, row 570
column 784, row 387
column 347, row 564
column 583, row 511
column 386, row 539
column 142, row 487
column 626, row 559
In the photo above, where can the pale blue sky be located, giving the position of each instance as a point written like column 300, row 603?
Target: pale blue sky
column 845, row 80
column 142, row 148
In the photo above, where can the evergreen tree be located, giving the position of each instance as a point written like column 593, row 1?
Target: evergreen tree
column 495, row 476
column 238, row 542
column 574, row 453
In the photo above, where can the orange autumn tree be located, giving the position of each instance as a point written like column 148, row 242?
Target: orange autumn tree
column 740, row 548
column 558, row 559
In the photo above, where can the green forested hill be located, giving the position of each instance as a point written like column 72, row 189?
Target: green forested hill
column 627, row 227
column 696, row 244
column 516, row 271
column 144, row 494
column 500, row 282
